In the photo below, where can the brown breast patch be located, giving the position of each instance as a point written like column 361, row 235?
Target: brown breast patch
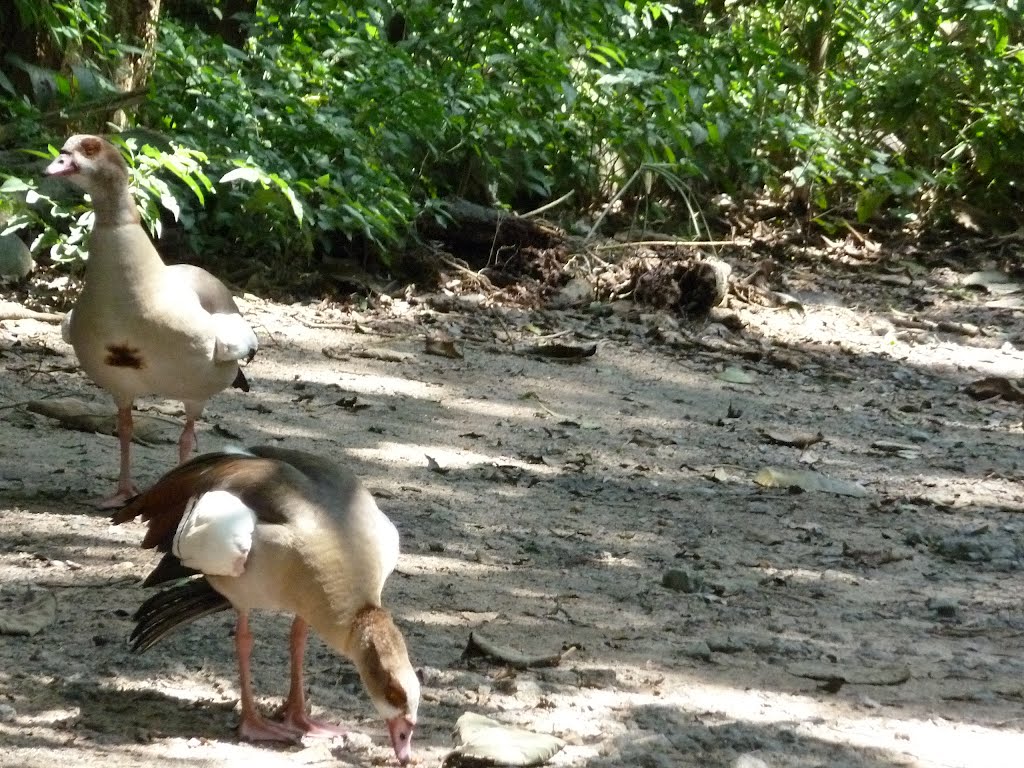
column 123, row 356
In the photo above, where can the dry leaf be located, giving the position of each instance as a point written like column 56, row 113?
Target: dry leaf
column 345, row 351
column 849, row 673
column 480, row 646
column 30, row 615
column 792, row 439
column 806, row 480
column 995, row 386
column 992, row 281
column 442, row 346
column 734, row 375
column 484, row 742
column 565, row 353
column 433, row 466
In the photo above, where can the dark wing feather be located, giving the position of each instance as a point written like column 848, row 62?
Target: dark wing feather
column 169, row 568
column 171, row 608
column 247, row 476
column 163, row 505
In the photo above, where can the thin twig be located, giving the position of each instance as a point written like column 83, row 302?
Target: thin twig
column 634, row 243
column 504, row 325
column 613, row 201
column 548, row 206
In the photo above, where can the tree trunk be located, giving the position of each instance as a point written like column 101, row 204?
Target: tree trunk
column 133, row 23
column 27, row 40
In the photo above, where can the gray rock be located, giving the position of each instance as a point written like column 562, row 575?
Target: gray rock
column 698, row 650
column 945, row 607
column 682, row 581
column 726, row 644
column 15, row 257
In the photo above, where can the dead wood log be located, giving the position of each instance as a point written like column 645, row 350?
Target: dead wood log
column 476, row 232
column 689, row 286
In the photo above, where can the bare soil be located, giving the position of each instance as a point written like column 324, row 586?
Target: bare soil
column 606, row 508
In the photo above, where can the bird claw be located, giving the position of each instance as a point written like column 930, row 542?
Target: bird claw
column 296, row 718
column 316, row 729
column 261, row 729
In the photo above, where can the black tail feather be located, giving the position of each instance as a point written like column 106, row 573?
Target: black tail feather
column 240, row 381
column 170, row 568
column 171, row 608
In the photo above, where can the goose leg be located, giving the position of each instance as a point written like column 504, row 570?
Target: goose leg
column 187, row 441
column 125, row 487
column 295, row 705
column 253, row 726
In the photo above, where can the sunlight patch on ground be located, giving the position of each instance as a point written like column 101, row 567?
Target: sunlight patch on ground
column 928, row 743
column 434, row 564
column 414, row 455
column 814, row 577
column 450, row 619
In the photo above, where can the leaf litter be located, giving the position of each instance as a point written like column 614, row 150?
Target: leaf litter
column 850, row 590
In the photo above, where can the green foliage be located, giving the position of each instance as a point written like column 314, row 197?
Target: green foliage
column 59, row 218
column 326, row 128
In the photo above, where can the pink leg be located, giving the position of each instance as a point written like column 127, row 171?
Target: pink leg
column 253, row 726
column 187, row 441
column 295, row 705
column 125, row 487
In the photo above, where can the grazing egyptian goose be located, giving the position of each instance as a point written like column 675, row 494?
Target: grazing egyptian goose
column 140, row 326
column 268, row 528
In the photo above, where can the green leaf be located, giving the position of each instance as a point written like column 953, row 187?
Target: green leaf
column 243, row 174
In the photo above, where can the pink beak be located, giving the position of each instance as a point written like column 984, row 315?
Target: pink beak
column 401, row 729
column 62, row 165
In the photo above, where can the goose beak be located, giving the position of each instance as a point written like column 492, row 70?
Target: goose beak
column 401, row 729
column 62, row 165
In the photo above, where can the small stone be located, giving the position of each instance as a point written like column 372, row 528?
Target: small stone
column 15, row 257
column 7, row 713
column 698, row 650
column 944, row 607
column 682, row 581
column 749, row 761
column 354, row 741
column 726, row 644
column 597, row 678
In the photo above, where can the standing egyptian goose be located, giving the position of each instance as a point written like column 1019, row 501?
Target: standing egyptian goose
column 141, row 327
column 268, row 528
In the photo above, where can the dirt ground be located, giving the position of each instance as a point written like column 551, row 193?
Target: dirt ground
column 606, row 508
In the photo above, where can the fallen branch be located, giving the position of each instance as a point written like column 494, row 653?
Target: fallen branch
column 10, row 310
column 636, row 243
column 549, row 206
column 479, row 646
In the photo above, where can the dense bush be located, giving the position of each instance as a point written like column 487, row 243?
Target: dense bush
column 335, row 121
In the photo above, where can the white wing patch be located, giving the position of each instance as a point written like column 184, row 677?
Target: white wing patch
column 235, row 339
column 215, row 534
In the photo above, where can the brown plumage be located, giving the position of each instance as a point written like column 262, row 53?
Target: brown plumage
column 287, row 531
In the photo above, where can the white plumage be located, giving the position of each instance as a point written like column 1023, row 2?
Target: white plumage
column 266, row 528
column 141, row 327
column 215, row 534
